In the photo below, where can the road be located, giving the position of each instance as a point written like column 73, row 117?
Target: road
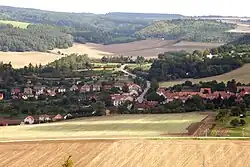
column 141, row 98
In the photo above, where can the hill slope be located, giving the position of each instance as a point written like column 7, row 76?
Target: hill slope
column 194, row 30
column 240, row 75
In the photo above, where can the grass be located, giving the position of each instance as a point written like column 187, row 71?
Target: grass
column 15, row 23
column 145, row 66
column 240, row 75
column 110, row 126
column 243, row 131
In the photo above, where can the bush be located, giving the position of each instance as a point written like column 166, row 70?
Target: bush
column 242, row 122
column 235, row 122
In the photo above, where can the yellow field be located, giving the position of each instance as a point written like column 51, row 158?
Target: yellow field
column 20, row 59
column 83, row 49
column 127, row 153
column 240, row 75
column 110, row 126
column 15, row 23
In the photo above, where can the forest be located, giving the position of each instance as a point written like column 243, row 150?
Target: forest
column 192, row 30
column 172, row 66
column 34, row 38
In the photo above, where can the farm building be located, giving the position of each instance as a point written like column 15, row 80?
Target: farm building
column 58, row 117
column 44, row 118
column 29, row 120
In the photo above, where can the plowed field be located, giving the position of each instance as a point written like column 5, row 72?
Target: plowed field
column 128, row 153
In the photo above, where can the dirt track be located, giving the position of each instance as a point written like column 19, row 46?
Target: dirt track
column 140, row 153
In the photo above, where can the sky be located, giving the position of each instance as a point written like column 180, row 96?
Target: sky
column 185, row 7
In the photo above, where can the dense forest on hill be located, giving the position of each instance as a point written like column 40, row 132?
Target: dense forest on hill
column 34, row 38
column 193, row 30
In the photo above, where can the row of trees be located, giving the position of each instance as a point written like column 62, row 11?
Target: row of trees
column 171, row 66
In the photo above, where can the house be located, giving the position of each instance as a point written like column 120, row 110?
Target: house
column 85, row 88
column 118, row 99
column 28, row 91
column 61, row 90
column 68, row 116
column 206, row 91
column 135, row 87
column 15, row 91
column 39, row 90
column 73, row 88
column 243, row 88
column 119, row 85
column 1, row 96
column 58, row 117
column 29, row 120
column 96, row 88
column 145, row 105
column 44, row 118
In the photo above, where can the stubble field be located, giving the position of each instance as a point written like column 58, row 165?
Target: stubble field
column 127, row 153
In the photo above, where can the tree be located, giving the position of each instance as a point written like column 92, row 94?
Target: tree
column 114, row 90
column 140, row 60
column 242, row 122
column 236, row 111
column 99, row 107
column 125, row 88
column 153, row 96
column 206, row 52
column 68, row 163
column 235, row 122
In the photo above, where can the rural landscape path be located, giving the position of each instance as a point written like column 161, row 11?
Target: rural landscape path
column 141, row 98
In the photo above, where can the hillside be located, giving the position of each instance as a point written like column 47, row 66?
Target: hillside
column 240, row 75
column 193, row 30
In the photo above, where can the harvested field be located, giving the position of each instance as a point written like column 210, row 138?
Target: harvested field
column 20, row 59
column 240, row 75
column 150, row 48
column 110, row 126
column 83, row 49
column 128, row 153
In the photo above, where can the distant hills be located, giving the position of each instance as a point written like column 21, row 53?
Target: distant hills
column 116, row 27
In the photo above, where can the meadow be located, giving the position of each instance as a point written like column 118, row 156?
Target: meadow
column 15, row 23
column 110, row 126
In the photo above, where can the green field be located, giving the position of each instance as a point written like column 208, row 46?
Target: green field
column 240, row 75
column 145, row 66
column 106, row 126
column 238, row 131
column 15, row 23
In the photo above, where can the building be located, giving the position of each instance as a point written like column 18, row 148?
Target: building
column 96, row 88
column 58, row 117
column 1, row 96
column 15, row 91
column 28, row 91
column 135, row 87
column 61, row 90
column 73, row 88
column 119, row 85
column 118, row 99
column 44, row 118
column 29, row 120
column 85, row 88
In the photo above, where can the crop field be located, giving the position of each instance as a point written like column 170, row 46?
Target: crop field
column 150, row 48
column 110, row 126
column 15, row 23
column 20, row 59
column 127, row 153
column 240, row 75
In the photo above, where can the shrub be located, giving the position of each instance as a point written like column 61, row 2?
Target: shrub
column 242, row 122
column 235, row 122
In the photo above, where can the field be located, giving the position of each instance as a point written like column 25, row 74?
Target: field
column 110, row 126
column 20, row 59
column 150, row 48
column 127, row 153
column 15, row 23
column 240, row 75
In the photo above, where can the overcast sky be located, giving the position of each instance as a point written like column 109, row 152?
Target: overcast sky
column 185, row 7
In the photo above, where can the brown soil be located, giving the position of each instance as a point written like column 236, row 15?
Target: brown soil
column 127, row 153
